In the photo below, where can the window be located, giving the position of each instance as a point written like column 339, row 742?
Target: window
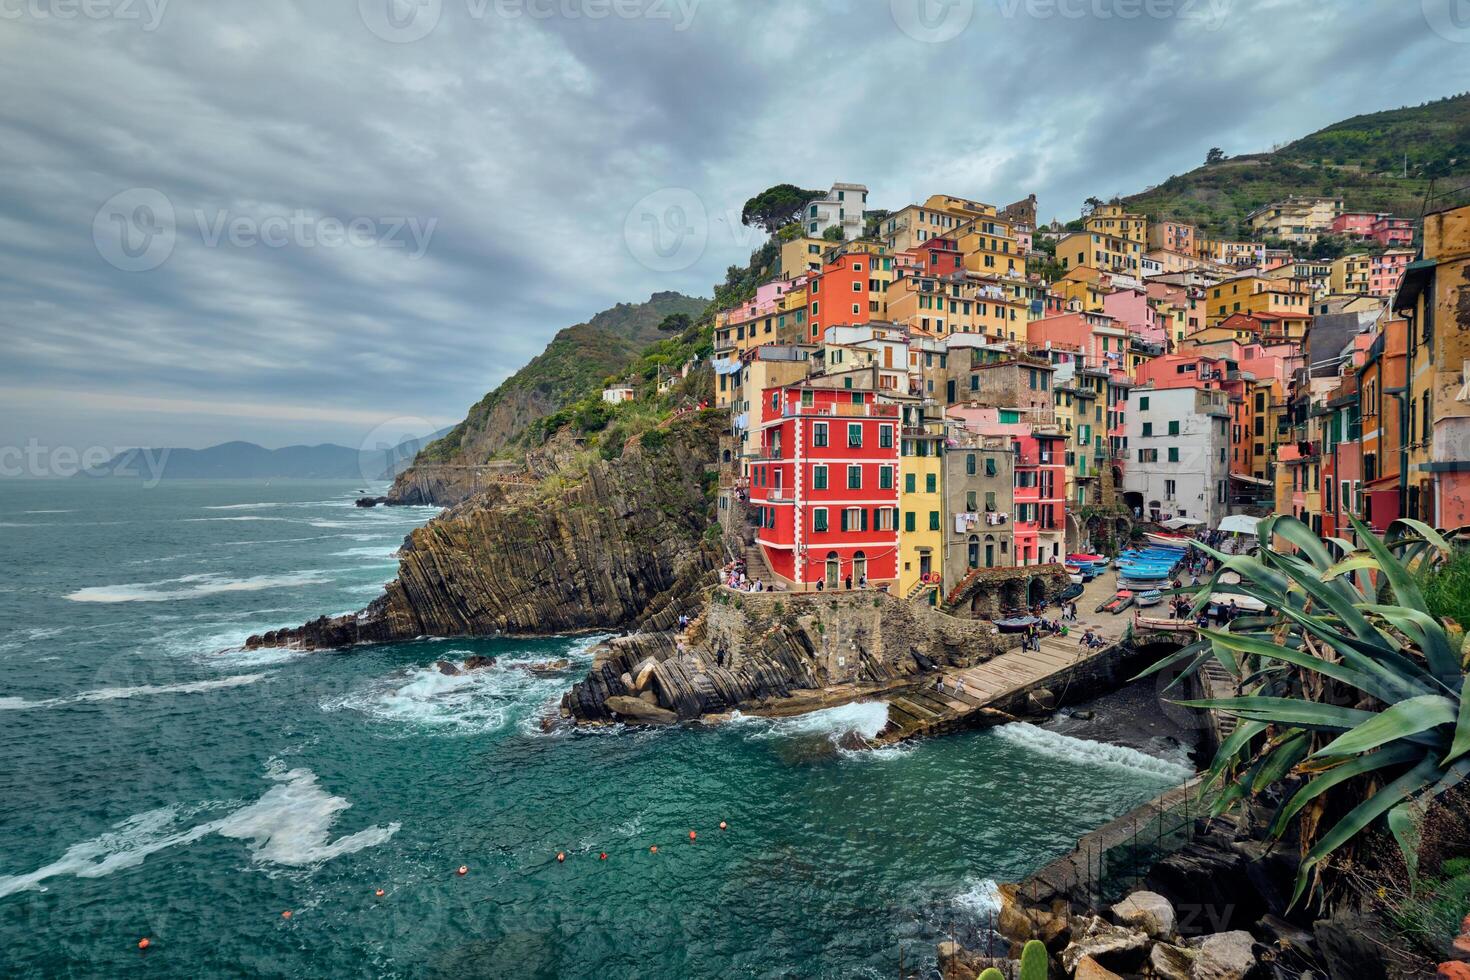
column 819, row 434
column 931, row 483
column 854, row 478
column 885, row 437
column 1143, row 403
column 970, row 463
column 1148, row 455
column 1173, row 427
column 885, row 519
column 909, row 480
column 1169, row 487
column 855, row 434
column 819, row 477
column 989, row 466
column 808, row 399
column 1173, row 454
column 970, row 501
column 908, row 521
column 934, row 520
column 885, row 478
column 1148, row 428
column 819, row 519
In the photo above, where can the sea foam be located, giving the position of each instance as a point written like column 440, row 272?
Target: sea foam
column 1088, row 753
column 142, row 690
column 290, row 825
column 191, row 587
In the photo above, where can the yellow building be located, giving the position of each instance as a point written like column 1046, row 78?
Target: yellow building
column 1257, row 294
column 802, row 254
column 1349, row 274
column 1228, row 252
column 1107, row 253
column 1084, row 285
column 1115, row 221
column 940, row 306
column 920, row 493
column 1296, row 219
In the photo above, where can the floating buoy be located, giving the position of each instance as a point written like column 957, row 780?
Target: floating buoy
column 379, row 893
column 286, row 914
column 561, row 856
column 602, row 856
column 464, row 869
column 691, row 835
column 723, row 825
column 653, row 849
column 144, row 943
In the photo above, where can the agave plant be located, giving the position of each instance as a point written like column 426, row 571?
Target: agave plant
column 1346, row 681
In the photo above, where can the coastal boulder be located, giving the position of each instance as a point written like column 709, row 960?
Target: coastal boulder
column 1171, row 962
column 1090, row 969
column 446, row 668
column 1114, row 947
column 636, row 711
column 478, row 662
column 1148, row 911
column 1224, row 956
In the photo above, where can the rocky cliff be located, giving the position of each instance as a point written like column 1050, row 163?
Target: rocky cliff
column 622, row 544
column 576, row 362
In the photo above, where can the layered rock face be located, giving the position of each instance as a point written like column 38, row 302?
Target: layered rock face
column 623, row 546
column 748, row 650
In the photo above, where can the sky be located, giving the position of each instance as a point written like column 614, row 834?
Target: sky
column 346, row 220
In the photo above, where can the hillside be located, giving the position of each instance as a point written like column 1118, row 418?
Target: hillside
column 575, row 362
column 1362, row 159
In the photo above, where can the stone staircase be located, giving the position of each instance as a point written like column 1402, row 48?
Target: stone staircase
column 962, row 590
column 1219, row 684
column 756, row 566
column 919, row 589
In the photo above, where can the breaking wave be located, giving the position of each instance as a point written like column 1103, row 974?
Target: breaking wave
column 142, row 690
column 193, row 586
column 290, row 825
column 1087, row 753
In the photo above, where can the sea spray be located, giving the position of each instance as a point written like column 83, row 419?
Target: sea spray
column 1084, row 752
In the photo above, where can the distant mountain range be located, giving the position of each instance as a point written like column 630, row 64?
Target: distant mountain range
column 247, row 461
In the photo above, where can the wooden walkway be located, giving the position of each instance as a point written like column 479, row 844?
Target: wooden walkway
column 967, row 696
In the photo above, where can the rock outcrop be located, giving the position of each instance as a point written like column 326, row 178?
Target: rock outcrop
column 623, row 545
column 749, row 650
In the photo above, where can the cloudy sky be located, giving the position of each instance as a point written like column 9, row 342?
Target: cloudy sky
column 320, row 221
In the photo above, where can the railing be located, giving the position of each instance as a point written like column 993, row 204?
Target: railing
column 792, row 410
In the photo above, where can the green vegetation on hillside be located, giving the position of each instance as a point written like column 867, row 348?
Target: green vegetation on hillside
column 1382, row 161
column 577, row 361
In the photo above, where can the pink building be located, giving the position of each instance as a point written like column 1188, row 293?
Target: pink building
column 1097, row 336
column 1130, row 308
column 1385, row 271
column 1354, row 224
column 1391, row 232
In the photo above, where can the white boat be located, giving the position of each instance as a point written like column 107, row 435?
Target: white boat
column 1150, row 598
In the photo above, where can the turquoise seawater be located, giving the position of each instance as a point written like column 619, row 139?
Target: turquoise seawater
column 157, row 781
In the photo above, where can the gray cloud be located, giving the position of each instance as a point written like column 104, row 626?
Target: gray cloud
column 525, row 140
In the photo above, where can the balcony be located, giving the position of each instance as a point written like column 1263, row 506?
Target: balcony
column 793, row 410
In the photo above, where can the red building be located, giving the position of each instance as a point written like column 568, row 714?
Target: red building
column 825, row 487
column 1391, row 232
column 1354, row 224
column 1041, row 480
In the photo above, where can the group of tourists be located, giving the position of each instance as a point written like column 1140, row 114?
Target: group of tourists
column 733, row 575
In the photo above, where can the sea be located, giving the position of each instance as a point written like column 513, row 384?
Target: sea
column 361, row 813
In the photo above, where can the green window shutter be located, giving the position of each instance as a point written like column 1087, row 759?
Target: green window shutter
column 934, row 520
column 1173, row 454
column 908, row 483
column 908, row 520
column 1148, row 428
column 1174, row 427
column 819, row 478
column 1143, row 403
column 863, row 517
column 930, row 483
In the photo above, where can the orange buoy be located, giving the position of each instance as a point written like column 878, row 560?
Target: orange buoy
column 602, row 856
column 653, row 849
column 561, row 856
column 464, row 869
column 723, row 825
column 691, row 835
column 286, row 914
column 379, row 893
column 144, row 943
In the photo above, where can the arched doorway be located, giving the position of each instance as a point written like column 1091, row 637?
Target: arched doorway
column 1036, row 591
column 859, row 567
column 974, row 551
column 989, row 551
column 833, row 570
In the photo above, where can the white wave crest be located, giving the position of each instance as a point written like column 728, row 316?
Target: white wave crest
column 865, row 718
column 473, row 702
column 1084, row 752
column 119, row 693
column 981, row 898
column 193, row 586
column 289, row 825
column 260, row 506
